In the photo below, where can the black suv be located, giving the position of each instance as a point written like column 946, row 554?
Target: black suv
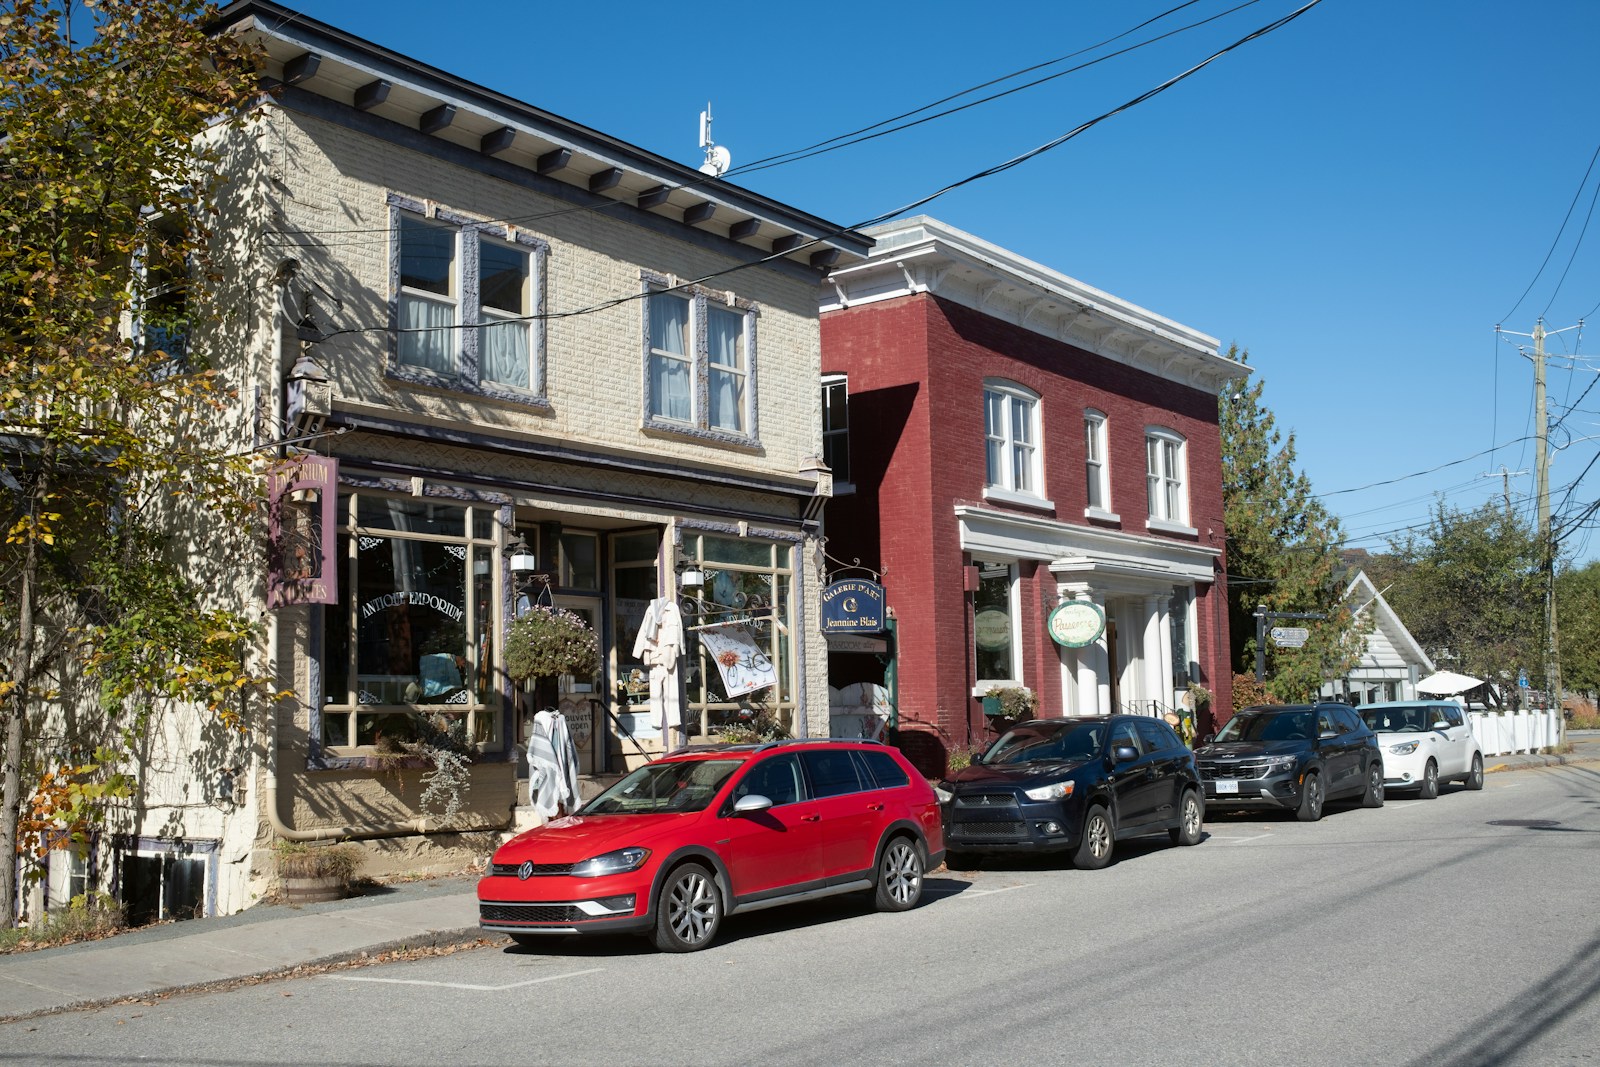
column 1079, row 784
column 1293, row 756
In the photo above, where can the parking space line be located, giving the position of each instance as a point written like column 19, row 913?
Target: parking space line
column 464, row 985
column 970, row 892
column 1235, row 840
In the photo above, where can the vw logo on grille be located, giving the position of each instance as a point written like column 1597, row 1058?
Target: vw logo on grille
column 525, row 871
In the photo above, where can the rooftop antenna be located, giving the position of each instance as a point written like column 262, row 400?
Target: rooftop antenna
column 718, row 158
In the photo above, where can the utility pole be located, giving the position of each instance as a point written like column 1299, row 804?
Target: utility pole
column 1505, row 483
column 1547, row 548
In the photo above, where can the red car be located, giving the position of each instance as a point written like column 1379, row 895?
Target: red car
column 682, row 842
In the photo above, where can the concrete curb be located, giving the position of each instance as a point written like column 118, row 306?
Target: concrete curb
column 368, row 954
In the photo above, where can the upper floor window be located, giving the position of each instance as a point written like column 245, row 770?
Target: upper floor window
column 700, row 373
column 1094, row 462
column 836, row 427
column 1164, row 477
column 1011, row 437
column 161, row 322
column 467, row 296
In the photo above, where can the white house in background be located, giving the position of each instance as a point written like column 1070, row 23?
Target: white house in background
column 1391, row 661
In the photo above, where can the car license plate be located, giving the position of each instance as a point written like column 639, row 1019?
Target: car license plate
column 1226, row 786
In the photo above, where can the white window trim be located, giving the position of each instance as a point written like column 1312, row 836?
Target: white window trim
column 840, row 488
column 1169, row 523
column 470, row 313
column 1014, row 393
column 1102, row 465
column 699, row 425
column 1013, row 603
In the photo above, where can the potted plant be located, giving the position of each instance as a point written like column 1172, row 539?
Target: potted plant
column 546, row 641
column 312, row 872
column 1016, row 702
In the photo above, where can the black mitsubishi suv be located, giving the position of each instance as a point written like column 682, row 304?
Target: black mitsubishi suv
column 1078, row 785
column 1293, row 756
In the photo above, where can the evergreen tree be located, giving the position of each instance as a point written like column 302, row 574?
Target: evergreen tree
column 1282, row 550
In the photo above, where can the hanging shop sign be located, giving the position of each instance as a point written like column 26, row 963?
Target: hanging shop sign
column 1076, row 623
column 301, row 493
column 852, row 606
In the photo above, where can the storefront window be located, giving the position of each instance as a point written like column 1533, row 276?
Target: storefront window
column 749, row 583
column 411, row 634
column 1182, row 643
column 993, row 629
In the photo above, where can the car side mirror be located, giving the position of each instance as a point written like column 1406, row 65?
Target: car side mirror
column 1440, row 725
column 1124, row 753
column 1207, row 739
column 749, row 805
column 977, row 757
column 1327, row 735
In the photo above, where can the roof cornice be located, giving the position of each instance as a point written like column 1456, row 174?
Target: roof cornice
column 323, row 60
column 924, row 255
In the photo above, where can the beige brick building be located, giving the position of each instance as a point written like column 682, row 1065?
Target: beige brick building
column 461, row 321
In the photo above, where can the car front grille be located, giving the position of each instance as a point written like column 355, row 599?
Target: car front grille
column 540, row 870
column 1004, row 830
column 495, row 912
column 986, row 800
column 1242, row 771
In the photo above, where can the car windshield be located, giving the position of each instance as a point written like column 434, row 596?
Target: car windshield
column 1281, row 726
column 1397, row 720
column 672, row 786
column 1047, row 741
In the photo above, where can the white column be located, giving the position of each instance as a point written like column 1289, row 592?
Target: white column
column 1096, row 679
column 1150, row 654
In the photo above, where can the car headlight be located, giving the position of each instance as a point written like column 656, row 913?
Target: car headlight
column 1054, row 791
column 942, row 793
column 618, row 862
column 1275, row 764
column 1405, row 748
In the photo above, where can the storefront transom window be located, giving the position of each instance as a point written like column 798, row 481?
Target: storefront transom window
column 407, row 648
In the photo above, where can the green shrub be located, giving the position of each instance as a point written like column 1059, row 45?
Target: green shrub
column 302, row 859
column 87, row 917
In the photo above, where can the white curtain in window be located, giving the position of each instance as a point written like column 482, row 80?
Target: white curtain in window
column 505, row 353
column 669, row 365
column 724, row 339
column 434, row 347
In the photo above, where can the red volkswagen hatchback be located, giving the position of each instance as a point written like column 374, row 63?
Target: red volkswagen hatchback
column 682, row 842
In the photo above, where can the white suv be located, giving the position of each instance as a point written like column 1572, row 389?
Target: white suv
column 1425, row 742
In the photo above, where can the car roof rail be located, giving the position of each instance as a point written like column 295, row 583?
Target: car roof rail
column 782, row 741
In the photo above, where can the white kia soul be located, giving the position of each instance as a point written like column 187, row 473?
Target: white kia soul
column 1425, row 742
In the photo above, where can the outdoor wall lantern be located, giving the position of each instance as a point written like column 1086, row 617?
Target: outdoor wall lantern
column 690, row 576
column 521, row 561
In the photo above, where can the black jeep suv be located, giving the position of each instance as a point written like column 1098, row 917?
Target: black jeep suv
column 1294, row 756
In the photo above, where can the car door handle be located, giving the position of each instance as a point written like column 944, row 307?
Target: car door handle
column 874, row 807
column 810, row 818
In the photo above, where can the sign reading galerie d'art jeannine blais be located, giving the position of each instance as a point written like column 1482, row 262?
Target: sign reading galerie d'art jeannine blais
column 852, row 606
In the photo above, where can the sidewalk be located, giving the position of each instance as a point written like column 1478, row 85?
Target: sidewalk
column 273, row 939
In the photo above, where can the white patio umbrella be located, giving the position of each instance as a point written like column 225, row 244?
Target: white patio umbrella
column 1447, row 683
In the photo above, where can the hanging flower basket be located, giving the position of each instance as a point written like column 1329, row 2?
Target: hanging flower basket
column 550, row 641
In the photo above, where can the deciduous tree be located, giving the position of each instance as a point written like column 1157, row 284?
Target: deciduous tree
column 103, row 228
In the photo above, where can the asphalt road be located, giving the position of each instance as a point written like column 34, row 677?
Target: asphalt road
column 1456, row 931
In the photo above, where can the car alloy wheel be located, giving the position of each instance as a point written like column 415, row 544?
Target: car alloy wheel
column 1310, row 799
column 1094, row 848
column 689, row 912
column 1188, row 831
column 900, row 875
column 1373, row 797
column 1430, row 781
column 1475, row 776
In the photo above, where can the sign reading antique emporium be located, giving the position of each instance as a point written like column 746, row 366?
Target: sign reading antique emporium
column 1076, row 623
column 852, row 606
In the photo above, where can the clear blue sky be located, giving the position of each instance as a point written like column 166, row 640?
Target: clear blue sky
column 1357, row 198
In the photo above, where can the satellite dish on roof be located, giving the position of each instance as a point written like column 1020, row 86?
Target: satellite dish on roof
column 718, row 158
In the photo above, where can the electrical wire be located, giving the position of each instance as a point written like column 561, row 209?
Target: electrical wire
column 987, row 172
column 1563, row 229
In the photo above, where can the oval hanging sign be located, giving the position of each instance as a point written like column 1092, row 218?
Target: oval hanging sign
column 1076, row 623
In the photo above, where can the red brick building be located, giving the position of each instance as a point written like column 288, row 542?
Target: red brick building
column 1025, row 454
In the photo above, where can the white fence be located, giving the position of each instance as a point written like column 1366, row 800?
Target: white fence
column 1499, row 733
